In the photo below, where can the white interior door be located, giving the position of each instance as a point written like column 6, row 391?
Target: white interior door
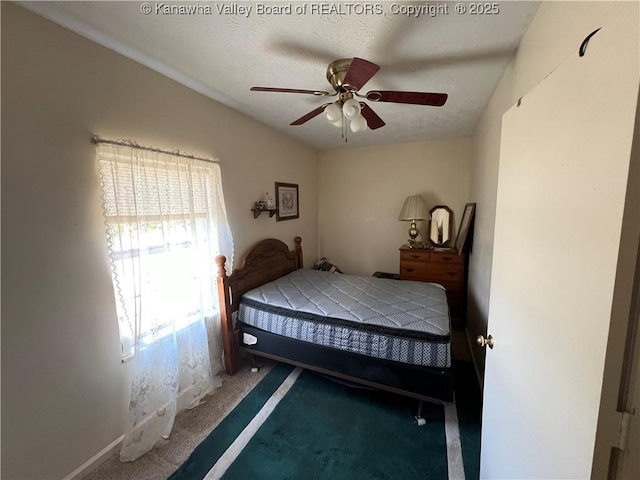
column 561, row 189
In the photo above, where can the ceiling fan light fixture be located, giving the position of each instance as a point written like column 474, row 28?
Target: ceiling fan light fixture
column 337, row 123
column 358, row 124
column 333, row 113
column 351, row 109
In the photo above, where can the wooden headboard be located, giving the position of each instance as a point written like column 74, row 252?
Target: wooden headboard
column 268, row 259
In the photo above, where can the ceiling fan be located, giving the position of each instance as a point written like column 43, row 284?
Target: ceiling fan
column 347, row 76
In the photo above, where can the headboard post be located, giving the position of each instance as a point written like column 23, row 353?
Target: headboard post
column 268, row 260
column 226, row 321
column 298, row 241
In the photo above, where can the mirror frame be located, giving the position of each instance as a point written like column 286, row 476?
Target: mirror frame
column 433, row 238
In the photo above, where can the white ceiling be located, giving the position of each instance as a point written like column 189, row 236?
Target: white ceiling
column 223, row 55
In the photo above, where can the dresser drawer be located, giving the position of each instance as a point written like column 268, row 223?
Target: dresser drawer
column 415, row 256
column 446, row 257
column 444, row 271
column 449, row 280
column 414, row 270
column 444, row 268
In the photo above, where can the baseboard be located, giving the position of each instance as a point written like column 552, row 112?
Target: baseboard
column 95, row 461
column 473, row 359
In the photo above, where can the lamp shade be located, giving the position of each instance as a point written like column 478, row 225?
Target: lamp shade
column 351, row 108
column 414, row 208
column 337, row 123
column 358, row 124
column 333, row 112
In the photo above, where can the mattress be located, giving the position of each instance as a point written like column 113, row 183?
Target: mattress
column 402, row 321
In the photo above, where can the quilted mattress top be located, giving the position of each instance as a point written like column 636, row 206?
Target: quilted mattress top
column 399, row 305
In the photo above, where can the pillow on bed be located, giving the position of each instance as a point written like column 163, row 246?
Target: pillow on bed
column 324, row 265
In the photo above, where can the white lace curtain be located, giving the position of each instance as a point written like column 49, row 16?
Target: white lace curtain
column 166, row 221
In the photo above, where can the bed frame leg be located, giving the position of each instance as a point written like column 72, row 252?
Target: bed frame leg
column 419, row 420
column 255, row 367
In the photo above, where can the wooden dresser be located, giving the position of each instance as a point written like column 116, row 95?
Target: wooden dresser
column 446, row 268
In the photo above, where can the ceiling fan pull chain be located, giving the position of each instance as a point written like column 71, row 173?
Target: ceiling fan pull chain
column 344, row 128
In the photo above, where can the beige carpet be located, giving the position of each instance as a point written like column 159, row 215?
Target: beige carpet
column 189, row 429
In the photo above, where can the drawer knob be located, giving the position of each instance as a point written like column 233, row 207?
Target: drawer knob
column 409, row 269
column 415, row 256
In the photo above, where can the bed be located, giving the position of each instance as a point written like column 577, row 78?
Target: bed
column 375, row 332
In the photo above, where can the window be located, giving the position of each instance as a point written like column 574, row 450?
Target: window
column 163, row 268
column 165, row 221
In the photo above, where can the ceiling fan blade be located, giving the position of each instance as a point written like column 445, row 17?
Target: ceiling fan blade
column 289, row 90
column 360, row 72
column 415, row 98
column 310, row 115
column 372, row 118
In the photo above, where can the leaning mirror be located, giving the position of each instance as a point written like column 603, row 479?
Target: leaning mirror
column 440, row 226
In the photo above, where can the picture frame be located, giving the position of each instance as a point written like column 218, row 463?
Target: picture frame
column 287, row 206
column 465, row 232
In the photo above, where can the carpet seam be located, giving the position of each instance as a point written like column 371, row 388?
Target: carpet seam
column 455, row 460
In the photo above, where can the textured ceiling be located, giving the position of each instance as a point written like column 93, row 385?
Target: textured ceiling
column 222, row 55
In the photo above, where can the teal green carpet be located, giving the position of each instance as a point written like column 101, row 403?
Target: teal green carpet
column 323, row 429
column 211, row 448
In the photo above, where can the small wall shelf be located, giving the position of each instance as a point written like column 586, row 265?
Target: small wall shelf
column 258, row 211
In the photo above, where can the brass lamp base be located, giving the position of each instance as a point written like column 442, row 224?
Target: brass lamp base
column 413, row 234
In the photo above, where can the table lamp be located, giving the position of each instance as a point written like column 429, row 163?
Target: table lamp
column 413, row 209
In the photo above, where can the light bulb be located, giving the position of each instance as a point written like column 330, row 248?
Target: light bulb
column 358, row 124
column 351, row 108
column 333, row 113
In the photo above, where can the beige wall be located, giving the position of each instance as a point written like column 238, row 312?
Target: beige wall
column 64, row 390
column 555, row 33
column 361, row 192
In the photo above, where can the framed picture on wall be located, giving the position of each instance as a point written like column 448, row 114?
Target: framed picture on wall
column 465, row 232
column 287, row 207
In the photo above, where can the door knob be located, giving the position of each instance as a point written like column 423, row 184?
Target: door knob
column 485, row 341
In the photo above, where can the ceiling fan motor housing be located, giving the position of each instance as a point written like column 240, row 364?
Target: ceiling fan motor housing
column 336, row 72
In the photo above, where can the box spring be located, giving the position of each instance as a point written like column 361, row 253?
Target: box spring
column 428, row 383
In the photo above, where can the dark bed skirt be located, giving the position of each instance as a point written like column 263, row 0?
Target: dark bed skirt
column 426, row 383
